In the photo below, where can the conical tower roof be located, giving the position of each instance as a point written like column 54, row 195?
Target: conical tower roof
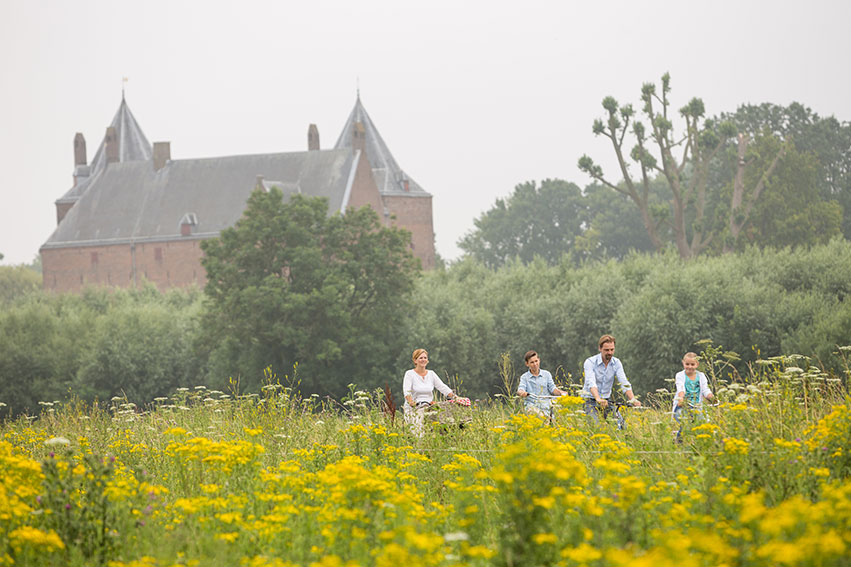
column 389, row 177
column 132, row 146
column 132, row 143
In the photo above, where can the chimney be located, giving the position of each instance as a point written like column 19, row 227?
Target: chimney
column 358, row 137
column 110, row 141
column 79, row 149
column 80, row 167
column 312, row 138
column 162, row 154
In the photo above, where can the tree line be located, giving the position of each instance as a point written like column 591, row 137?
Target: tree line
column 765, row 175
column 142, row 344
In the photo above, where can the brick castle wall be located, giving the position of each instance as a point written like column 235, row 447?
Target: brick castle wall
column 168, row 264
column 414, row 214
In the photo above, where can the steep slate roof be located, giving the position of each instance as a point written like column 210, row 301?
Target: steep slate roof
column 130, row 202
column 388, row 175
column 132, row 146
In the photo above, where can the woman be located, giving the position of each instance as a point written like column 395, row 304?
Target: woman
column 418, row 388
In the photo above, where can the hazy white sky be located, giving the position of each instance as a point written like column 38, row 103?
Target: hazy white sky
column 471, row 97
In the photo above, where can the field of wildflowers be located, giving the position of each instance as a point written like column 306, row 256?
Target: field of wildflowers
column 208, row 478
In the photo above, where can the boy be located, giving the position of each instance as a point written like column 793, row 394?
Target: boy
column 537, row 382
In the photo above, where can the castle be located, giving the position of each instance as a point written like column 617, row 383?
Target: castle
column 135, row 215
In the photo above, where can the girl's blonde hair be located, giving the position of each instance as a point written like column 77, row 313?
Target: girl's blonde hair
column 690, row 356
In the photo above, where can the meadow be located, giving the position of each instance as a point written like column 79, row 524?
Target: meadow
column 207, row 477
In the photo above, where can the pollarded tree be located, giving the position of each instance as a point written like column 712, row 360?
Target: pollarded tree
column 289, row 284
column 687, row 175
column 615, row 228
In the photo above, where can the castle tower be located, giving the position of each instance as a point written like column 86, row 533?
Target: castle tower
column 406, row 204
column 124, row 141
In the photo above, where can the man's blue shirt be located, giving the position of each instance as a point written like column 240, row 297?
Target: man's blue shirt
column 602, row 377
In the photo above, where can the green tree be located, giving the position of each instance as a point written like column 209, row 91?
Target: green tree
column 533, row 221
column 791, row 211
column 17, row 281
column 35, row 265
column 289, row 284
column 615, row 228
column 95, row 345
column 828, row 139
column 43, row 338
column 687, row 175
column 139, row 351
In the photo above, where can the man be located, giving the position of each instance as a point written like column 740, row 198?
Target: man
column 534, row 383
column 600, row 372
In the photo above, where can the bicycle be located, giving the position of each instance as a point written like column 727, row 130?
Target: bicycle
column 614, row 407
column 691, row 410
column 548, row 413
column 447, row 412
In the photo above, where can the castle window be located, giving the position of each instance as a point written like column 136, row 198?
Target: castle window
column 158, row 255
column 94, row 259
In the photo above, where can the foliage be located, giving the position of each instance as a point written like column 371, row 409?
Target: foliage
column 139, row 352
column 615, row 228
column 42, row 342
column 17, row 281
column 289, row 284
column 533, row 221
column 757, row 303
column 99, row 343
column 554, row 221
column 791, row 212
column 77, row 507
column 659, row 307
column 827, row 139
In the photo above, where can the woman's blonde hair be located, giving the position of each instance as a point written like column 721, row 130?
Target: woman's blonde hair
column 417, row 353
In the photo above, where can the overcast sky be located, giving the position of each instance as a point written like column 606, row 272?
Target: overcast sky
column 471, row 97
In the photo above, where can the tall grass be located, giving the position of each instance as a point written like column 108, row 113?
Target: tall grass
column 224, row 478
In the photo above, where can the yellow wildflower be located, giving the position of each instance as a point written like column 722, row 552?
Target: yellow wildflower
column 27, row 535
